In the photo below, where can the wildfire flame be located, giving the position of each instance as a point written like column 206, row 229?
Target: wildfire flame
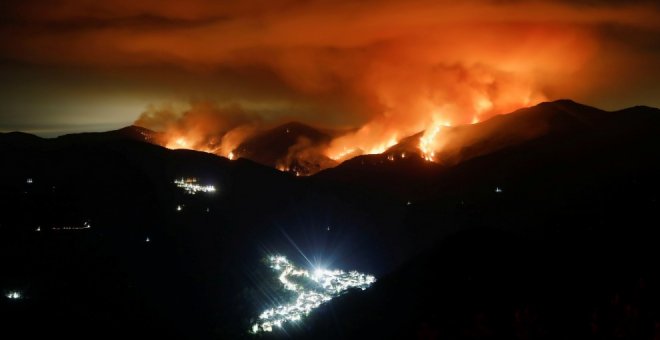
column 395, row 90
column 428, row 143
column 373, row 138
column 394, row 82
column 178, row 143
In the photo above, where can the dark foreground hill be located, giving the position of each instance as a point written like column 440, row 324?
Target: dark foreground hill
column 551, row 238
column 98, row 240
column 548, row 236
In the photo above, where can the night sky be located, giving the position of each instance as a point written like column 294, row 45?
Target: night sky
column 89, row 65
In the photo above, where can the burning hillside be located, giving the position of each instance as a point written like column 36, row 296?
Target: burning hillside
column 381, row 76
column 305, row 150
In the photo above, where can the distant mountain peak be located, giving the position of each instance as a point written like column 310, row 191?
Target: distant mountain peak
column 131, row 132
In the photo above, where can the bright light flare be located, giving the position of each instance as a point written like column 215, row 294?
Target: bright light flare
column 320, row 286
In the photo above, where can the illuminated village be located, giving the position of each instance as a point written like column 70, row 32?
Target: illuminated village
column 313, row 289
column 191, row 187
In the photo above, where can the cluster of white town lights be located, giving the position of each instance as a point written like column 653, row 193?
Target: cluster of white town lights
column 190, row 186
column 312, row 290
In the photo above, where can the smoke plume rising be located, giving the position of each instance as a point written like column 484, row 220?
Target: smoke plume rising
column 382, row 69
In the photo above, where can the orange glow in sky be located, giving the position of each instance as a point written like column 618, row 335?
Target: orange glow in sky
column 213, row 72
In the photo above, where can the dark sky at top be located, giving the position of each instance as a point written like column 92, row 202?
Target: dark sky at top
column 88, row 65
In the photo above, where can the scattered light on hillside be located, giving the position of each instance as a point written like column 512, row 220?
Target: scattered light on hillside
column 84, row 226
column 312, row 288
column 190, row 186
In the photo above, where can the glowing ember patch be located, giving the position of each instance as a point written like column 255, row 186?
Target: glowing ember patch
column 312, row 290
column 190, row 186
column 231, row 156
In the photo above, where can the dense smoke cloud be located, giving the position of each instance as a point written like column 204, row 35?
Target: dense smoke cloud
column 202, row 126
column 389, row 69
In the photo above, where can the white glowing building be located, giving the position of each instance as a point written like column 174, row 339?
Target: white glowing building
column 14, row 295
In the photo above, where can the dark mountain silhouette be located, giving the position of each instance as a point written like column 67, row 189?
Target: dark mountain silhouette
column 108, row 277
column 287, row 147
column 549, row 237
column 132, row 132
column 468, row 141
column 539, row 235
column 19, row 140
column 553, row 122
